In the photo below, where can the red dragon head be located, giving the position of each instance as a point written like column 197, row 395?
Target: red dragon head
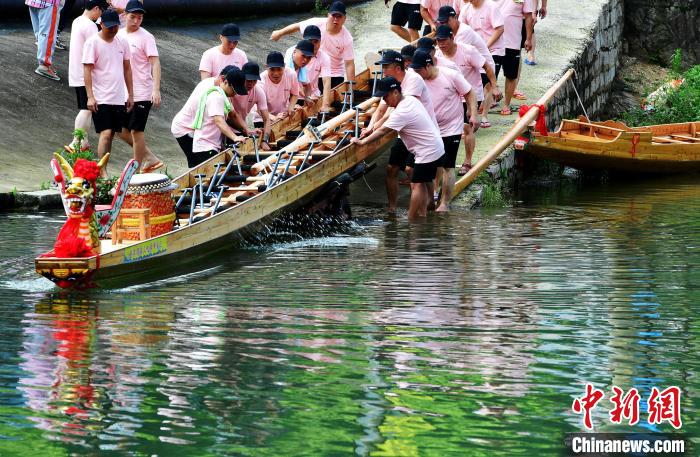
column 78, row 199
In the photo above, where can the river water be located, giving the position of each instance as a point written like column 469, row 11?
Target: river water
column 469, row 334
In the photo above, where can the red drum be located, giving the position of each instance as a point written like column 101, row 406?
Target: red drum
column 152, row 191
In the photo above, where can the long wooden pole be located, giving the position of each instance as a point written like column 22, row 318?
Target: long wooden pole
column 505, row 141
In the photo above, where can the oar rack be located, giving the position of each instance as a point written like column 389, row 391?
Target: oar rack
column 232, row 177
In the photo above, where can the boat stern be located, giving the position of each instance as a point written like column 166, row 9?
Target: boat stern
column 67, row 273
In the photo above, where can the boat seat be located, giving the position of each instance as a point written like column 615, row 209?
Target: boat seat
column 685, row 137
column 661, row 139
column 132, row 220
column 578, row 136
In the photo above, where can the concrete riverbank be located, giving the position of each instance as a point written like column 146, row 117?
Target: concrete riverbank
column 38, row 114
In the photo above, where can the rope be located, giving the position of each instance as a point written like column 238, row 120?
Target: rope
column 579, row 98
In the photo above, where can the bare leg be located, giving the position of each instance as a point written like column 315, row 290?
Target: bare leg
column 511, row 84
column 448, row 186
column 417, row 206
column 429, row 203
column 469, row 144
column 402, row 32
column 414, row 35
column 82, row 121
column 392, row 185
column 104, row 146
column 142, row 153
column 486, row 104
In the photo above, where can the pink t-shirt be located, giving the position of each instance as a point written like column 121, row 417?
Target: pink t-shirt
column 513, row 14
column 467, row 35
column 443, row 62
column 458, row 5
column 213, row 60
column 278, row 94
column 469, row 62
column 338, row 47
column 108, row 71
column 447, row 90
column 433, row 6
column 209, row 136
column 183, row 120
column 142, row 45
column 414, row 85
column 418, row 133
column 82, row 29
column 318, row 67
column 243, row 104
column 484, row 21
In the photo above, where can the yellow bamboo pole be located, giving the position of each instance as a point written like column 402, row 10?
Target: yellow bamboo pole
column 505, row 141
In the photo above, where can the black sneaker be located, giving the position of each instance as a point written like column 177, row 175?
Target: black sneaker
column 60, row 44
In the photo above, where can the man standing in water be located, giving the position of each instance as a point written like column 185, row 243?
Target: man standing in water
column 107, row 73
column 336, row 41
column 145, row 70
column 227, row 53
column 421, row 136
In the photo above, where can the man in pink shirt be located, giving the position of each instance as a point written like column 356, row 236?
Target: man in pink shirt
column 227, row 53
column 449, row 90
column 421, row 137
column 83, row 27
column 429, row 10
column 336, row 41
column 107, row 73
column 517, row 35
column 297, row 58
column 485, row 18
column 243, row 104
column 281, row 87
column 406, row 12
column 318, row 69
column 145, row 71
column 213, row 107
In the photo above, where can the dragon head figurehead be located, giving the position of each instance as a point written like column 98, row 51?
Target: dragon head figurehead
column 79, row 235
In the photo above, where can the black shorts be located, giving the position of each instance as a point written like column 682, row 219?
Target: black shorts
column 201, row 156
column 109, row 117
column 399, row 154
column 451, row 144
column 81, row 96
column 136, row 119
column 404, row 12
column 523, row 35
column 185, row 143
column 425, row 172
column 498, row 60
column 258, row 124
column 427, row 30
column 335, row 81
column 511, row 63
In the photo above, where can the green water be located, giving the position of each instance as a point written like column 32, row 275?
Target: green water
column 466, row 335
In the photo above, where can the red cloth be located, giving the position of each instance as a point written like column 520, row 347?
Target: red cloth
column 541, row 123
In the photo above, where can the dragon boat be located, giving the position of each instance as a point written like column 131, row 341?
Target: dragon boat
column 610, row 145
column 219, row 204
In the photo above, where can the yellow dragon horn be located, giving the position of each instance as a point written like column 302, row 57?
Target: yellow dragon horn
column 67, row 169
column 103, row 161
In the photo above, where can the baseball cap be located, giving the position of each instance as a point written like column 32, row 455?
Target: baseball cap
column 306, row 47
column 275, row 59
column 134, row 6
column 386, row 85
column 445, row 13
column 231, row 32
column 251, row 70
column 443, row 32
column 390, row 56
column 337, row 8
column 109, row 18
column 408, row 51
column 102, row 4
column 312, row 33
column 425, row 43
column 421, row 59
column 224, row 71
column 236, row 79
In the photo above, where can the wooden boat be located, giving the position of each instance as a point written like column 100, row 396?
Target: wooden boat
column 670, row 148
column 260, row 191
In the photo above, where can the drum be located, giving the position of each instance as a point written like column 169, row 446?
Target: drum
column 152, row 191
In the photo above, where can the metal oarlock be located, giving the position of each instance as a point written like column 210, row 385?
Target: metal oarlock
column 182, row 197
column 234, row 159
column 214, row 179
column 255, row 147
column 222, row 189
column 348, row 97
column 199, row 177
column 357, row 122
column 194, row 202
column 339, row 144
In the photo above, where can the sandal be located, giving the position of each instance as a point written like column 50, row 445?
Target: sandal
column 464, row 169
column 153, row 167
column 519, row 95
column 506, row 111
column 485, row 124
column 529, row 62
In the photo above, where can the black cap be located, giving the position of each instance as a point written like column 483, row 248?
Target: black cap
column 251, row 70
column 102, row 4
column 421, row 59
column 425, row 43
column 109, row 18
column 312, row 33
column 236, row 79
column 386, row 85
column 390, row 56
column 231, row 32
column 337, row 8
column 134, row 6
column 408, row 51
column 446, row 12
column 443, row 32
column 306, row 47
column 275, row 59
column 224, row 71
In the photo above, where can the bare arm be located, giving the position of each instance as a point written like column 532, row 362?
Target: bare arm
column 381, row 131
column 129, row 85
column 267, row 128
column 529, row 28
column 349, row 70
column 288, row 30
column 155, row 71
column 498, row 31
column 470, row 98
column 204, row 75
column 87, row 75
column 292, row 104
column 326, row 106
column 226, row 130
column 375, row 120
column 427, row 18
column 238, row 122
column 543, row 9
column 492, row 79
